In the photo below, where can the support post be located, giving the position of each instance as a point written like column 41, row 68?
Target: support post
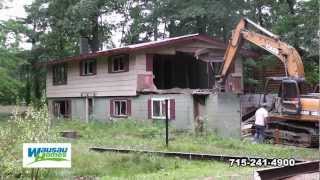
column 167, row 124
column 86, row 110
column 277, row 136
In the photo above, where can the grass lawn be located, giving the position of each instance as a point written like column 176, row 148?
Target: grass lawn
column 150, row 136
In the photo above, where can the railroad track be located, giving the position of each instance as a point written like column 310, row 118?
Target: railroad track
column 303, row 170
column 183, row 155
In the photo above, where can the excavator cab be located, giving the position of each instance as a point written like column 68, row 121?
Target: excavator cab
column 288, row 100
column 289, row 93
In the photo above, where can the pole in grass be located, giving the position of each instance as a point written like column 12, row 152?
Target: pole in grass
column 167, row 124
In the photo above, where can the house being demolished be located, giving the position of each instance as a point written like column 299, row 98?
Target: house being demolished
column 135, row 80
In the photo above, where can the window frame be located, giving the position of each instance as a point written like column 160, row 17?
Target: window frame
column 62, row 81
column 83, row 67
column 114, row 108
column 161, row 100
column 123, row 58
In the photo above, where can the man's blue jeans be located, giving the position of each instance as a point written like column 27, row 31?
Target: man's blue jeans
column 259, row 136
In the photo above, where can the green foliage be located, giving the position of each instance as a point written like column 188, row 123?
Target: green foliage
column 300, row 28
column 134, row 134
column 29, row 127
column 312, row 73
column 54, row 27
column 253, row 72
column 249, row 80
column 9, row 88
column 65, row 22
column 10, row 84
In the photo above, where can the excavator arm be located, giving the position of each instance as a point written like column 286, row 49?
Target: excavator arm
column 270, row 42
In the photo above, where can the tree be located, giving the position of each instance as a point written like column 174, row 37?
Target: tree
column 10, row 60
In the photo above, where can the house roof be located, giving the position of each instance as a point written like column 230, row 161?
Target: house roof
column 180, row 40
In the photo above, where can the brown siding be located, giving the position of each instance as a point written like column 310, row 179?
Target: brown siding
column 149, row 62
column 149, row 108
column 172, row 109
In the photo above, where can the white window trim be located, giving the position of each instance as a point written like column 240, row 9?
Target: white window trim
column 84, row 67
column 113, row 59
column 114, row 108
column 160, row 99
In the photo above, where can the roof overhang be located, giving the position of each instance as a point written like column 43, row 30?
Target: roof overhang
column 217, row 46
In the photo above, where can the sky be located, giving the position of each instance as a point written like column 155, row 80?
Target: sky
column 15, row 9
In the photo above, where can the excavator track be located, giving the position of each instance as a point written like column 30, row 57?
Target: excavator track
column 291, row 132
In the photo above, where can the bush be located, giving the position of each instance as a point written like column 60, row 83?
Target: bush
column 29, row 127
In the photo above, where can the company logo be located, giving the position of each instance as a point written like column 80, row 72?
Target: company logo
column 47, row 155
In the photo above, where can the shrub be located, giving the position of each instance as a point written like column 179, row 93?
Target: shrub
column 31, row 126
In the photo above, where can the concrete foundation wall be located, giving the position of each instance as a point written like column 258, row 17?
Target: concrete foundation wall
column 78, row 108
column 101, row 109
column 221, row 111
column 183, row 109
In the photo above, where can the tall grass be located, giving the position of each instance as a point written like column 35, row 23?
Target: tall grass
column 148, row 135
column 134, row 134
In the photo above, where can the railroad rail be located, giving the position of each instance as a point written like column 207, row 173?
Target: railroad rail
column 300, row 169
column 310, row 170
column 182, row 155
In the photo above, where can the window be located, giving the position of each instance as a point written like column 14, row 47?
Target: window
column 119, row 63
column 120, row 107
column 88, row 67
column 158, row 108
column 59, row 74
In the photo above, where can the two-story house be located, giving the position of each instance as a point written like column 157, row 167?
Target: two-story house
column 134, row 81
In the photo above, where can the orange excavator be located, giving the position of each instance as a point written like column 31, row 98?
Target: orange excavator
column 295, row 115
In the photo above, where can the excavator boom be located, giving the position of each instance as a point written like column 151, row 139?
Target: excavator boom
column 270, row 42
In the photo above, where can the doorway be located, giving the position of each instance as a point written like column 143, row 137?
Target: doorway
column 62, row 108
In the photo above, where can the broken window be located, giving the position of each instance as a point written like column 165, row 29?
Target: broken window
column 88, row 67
column 62, row 109
column 159, row 108
column 59, row 74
